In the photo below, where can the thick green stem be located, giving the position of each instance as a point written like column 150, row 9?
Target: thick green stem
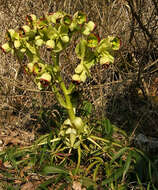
column 68, row 101
column 66, row 94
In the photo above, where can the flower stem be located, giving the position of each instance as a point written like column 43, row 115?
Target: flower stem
column 68, row 101
column 66, row 94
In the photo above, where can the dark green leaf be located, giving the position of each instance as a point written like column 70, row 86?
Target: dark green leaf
column 119, row 154
column 55, row 170
column 127, row 164
column 114, row 177
column 89, row 183
column 87, row 108
column 108, row 127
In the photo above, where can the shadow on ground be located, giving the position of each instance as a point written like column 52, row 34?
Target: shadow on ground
column 134, row 112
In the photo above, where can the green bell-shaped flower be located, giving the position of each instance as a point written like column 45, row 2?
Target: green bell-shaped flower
column 6, row 47
column 43, row 81
column 17, row 44
column 38, row 41
column 45, row 77
column 26, row 28
column 50, row 44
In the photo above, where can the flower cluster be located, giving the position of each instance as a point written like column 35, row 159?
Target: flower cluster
column 54, row 31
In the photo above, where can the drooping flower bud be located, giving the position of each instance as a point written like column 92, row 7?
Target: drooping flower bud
column 39, row 42
column 17, row 44
column 65, row 38
column 78, row 123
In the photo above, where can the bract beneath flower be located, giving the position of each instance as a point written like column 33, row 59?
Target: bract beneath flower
column 80, row 17
column 88, row 28
column 30, row 66
column 79, row 68
column 38, row 68
column 92, row 41
column 106, row 58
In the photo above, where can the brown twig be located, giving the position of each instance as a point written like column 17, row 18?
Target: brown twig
column 139, row 21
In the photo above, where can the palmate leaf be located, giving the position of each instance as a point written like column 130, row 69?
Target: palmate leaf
column 63, row 29
column 58, row 47
column 80, row 17
column 74, row 26
column 80, row 77
column 55, row 16
column 31, row 20
column 82, row 71
column 17, row 44
column 106, row 58
column 108, row 44
column 49, row 32
column 88, row 28
column 116, row 43
column 65, row 38
column 106, row 48
column 79, row 68
column 39, row 42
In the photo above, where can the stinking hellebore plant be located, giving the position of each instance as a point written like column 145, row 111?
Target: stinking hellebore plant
column 54, row 32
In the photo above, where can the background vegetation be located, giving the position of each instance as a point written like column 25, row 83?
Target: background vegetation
column 125, row 92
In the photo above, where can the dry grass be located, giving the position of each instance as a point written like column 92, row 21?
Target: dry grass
column 125, row 92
